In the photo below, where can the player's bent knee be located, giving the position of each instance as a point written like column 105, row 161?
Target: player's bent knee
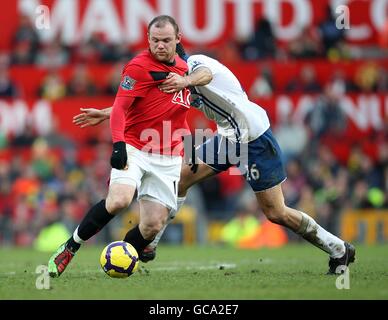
column 119, row 197
column 115, row 203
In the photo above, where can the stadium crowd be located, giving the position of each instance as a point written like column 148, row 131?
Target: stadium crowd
column 43, row 180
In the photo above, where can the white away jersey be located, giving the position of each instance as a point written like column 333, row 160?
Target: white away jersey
column 225, row 102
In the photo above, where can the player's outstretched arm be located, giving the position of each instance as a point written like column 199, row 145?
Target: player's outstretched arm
column 91, row 117
column 174, row 82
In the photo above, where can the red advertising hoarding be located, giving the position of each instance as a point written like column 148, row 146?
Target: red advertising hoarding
column 203, row 22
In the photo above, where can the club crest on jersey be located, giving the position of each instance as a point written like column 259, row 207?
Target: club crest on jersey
column 195, row 64
column 128, row 83
column 182, row 98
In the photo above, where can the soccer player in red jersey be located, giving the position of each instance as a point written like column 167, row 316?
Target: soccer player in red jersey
column 147, row 126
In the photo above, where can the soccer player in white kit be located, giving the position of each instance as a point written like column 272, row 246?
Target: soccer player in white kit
column 244, row 128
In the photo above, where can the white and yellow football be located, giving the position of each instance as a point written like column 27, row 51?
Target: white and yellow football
column 119, row 259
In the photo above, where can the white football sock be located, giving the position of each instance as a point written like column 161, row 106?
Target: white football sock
column 76, row 237
column 171, row 215
column 311, row 231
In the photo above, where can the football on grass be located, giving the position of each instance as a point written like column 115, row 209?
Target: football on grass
column 119, row 259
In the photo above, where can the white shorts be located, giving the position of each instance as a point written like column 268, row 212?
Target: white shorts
column 155, row 176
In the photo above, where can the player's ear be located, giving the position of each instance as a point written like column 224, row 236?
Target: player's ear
column 179, row 37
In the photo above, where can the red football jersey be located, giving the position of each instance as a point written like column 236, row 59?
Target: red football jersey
column 156, row 121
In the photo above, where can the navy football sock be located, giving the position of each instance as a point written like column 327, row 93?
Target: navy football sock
column 96, row 218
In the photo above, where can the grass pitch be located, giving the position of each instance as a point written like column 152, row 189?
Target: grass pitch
column 292, row 272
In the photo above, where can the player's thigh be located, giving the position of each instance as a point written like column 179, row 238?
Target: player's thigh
column 119, row 197
column 190, row 177
column 123, row 183
column 160, row 182
column 153, row 214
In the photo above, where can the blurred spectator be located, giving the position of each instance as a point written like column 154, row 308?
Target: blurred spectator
column 3, row 140
column 327, row 161
column 26, row 32
column 6, row 202
column 382, row 165
column 327, row 116
column 7, row 88
column 210, row 190
column 68, row 213
column 355, row 159
column 261, row 44
column 87, row 52
column 306, row 82
column 114, row 79
column 27, row 183
column 203, row 49
column 362, row 167
column 98, row 42
column 231, row 185
column 330, row 200
column 307, row 45
column 48, row 209
column 22, row 53
column 339, row 85
column 385, row 179
column 263, row 86
column 292, row 138
column 331, row 35
column 366, row 77
column 80, row 83
column 382, row 81
column 53, row 87
column 25, row 192
column 25, row 42
column 57, row 139
column 26, row 137
column 359, row 197
column 342, row 52
column 229, row 53
column 23, row 217
column 116, row 52
column 53, row 55
column 307, row 202
column 294, row 184
column 43, row 161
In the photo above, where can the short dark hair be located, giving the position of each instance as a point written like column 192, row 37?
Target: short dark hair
column 161, row 21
